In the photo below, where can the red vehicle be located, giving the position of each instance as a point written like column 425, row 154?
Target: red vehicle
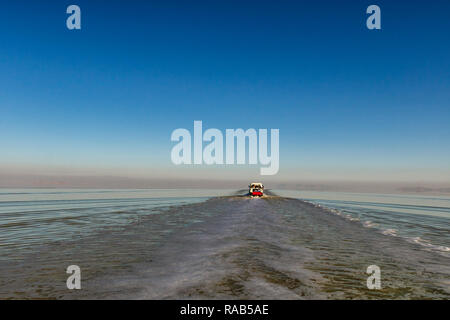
column 256, row 189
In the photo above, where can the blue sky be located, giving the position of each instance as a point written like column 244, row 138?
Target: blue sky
column 344, row 98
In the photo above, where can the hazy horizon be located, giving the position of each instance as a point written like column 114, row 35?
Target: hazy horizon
column 15, row 181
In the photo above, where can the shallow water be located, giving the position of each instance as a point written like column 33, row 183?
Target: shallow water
column 32, row 217
column 215, row 247
column 424, row 220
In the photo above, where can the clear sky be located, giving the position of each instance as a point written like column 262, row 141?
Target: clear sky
column 350, row 103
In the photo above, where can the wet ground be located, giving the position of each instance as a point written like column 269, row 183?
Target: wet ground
column 232, row 248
